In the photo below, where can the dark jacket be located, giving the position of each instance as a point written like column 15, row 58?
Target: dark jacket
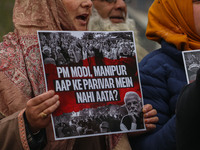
column 187, row 120
column 162, row 77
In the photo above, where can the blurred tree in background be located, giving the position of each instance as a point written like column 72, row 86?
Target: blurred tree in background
column 6, row 25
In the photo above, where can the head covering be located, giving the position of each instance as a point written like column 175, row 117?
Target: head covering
column 32, row 15
column 173, row 21
column 22, row 46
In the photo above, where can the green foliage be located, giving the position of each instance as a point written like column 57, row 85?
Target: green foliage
column 6, row 25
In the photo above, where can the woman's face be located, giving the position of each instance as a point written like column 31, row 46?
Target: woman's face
column 79, row 12
column 196, row 12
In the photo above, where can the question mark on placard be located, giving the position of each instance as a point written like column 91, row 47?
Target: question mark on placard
column 115, row 92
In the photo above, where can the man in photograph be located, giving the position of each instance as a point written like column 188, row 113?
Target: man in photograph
column 133, row 105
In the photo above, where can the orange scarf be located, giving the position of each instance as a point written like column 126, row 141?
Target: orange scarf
column 173, row 21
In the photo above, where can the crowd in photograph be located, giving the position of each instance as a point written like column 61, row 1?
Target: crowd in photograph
column 61, row 48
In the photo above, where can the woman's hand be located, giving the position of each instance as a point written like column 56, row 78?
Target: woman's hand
column 150, row 117
column 39, row 108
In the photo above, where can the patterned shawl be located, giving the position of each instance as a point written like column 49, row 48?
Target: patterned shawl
column 20, row 55
column 173, row 21
column 20, row 59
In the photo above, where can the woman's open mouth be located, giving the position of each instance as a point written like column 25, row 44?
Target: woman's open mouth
column 83, row 19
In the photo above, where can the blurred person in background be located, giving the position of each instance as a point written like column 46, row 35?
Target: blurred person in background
column 175, row 25
column 187, row 116
column 111, row 15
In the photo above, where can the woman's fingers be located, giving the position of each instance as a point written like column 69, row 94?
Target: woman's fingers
column 150, row 126
column 41, row 98
column 42, row 102
column 148, row 111
column 52, row 108
column 150, row 123
column 151, row 113
column 48, row 105
column 147, row 108
column 39, row 108
column 151, row 120
column 150, row 117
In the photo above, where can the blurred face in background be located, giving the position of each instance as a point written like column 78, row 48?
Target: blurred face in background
column 79, row 12
column 196, row 12
column 114, row 10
